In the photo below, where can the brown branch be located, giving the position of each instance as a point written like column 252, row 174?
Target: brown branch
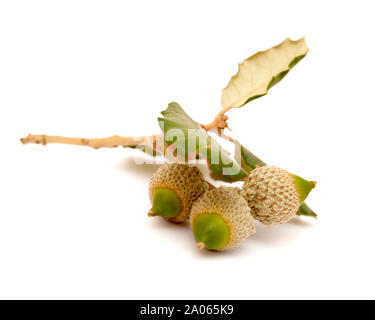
column 109, row 142
column 154, row 142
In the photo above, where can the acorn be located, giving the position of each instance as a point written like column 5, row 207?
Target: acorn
column 274, row 195
column 220, row 219
column 173, row 189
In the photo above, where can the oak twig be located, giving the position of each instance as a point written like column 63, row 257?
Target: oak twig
column 109, row 142
column 156, row 143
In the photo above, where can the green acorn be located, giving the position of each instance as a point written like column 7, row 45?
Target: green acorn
column 274, row 195
column 173, row 189
column 220, row 219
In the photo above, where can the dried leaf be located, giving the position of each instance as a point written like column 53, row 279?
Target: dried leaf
column 258, row 73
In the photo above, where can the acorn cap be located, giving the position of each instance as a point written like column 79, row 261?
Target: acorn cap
column 228, row 204
column 185, row 181
column 274, row 195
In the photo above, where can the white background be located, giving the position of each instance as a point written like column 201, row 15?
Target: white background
column 73, row 220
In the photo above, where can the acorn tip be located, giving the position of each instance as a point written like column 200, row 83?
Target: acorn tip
column 200, row 245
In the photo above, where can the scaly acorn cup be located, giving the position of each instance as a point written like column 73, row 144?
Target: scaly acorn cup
column 173, row 189
column 274, row 195
column 220, row 219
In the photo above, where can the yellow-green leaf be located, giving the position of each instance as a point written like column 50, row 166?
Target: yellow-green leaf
column 258, row 73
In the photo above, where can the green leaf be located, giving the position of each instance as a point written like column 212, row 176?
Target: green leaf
column 305, row 210
column 187, row 139
column 261, row 71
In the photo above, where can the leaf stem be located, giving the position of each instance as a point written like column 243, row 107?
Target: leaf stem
column 220, row 121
